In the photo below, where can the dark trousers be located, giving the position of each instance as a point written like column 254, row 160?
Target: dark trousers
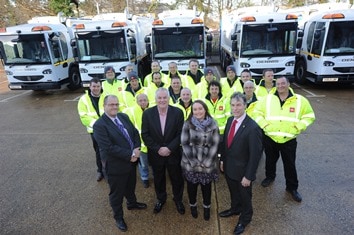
column 121, row 186
column 176, row 178
column 192, row 193
column 241, row 200
column 97, row 151
column 287, row 151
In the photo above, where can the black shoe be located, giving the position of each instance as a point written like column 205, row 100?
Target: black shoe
column 240, row 228
column 99, row 176
column 180, row 208
column 136, row 205
column 146, row 183
column 266, row 182
column 158, row 207
column 228, row 213
column 122, row 225
column 295, row 195
column 194, row 211
column 206, row 214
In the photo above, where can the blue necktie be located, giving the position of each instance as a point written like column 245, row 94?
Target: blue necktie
column 124, row 132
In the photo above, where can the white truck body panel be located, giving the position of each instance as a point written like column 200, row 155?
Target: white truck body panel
column 265, row 41
column 30, row 58
column 327, row 49
column 110, row 45
column 178, row 40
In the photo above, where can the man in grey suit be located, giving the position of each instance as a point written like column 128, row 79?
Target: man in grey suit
column 119, row 144
column 239, row 161
column 161, row 132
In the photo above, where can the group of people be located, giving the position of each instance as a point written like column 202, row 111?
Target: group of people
column 225, row 128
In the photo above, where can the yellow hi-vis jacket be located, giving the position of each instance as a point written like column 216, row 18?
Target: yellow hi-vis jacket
column 220, row 111
column 227, row 90
column 87, row 112
column 164, row 78
column 261, row 91
column 135, row 114
column 186, row 111
column 283, row 123
column 114, row 88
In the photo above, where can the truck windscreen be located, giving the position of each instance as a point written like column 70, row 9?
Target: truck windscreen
column 340, row 38
column 178, row 42
column 25, row 49
column 102, row 46
column 268, row 40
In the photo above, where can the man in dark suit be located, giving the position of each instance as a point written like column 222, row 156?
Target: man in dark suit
column 239, row 161
column 161, row 133
column 119, row 143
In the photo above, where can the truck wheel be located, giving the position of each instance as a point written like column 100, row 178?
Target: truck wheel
column 300, row 71
column 74, row 79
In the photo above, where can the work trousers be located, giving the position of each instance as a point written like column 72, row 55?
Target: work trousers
column 122, row 185
column 287, row 151
column 241, row 200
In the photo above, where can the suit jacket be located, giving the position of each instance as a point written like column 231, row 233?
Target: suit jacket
column 152, row 134
column 114, row 147
column 242, row 158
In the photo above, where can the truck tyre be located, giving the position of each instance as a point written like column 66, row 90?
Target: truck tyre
column 74, row 79
column 300, row 72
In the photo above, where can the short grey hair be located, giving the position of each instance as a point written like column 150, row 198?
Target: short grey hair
column 239, row 97
column 249, row 82
column 105, row 100
column 162, row 89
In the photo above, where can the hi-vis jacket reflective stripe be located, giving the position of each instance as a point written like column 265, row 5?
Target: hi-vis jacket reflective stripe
column 135, row 114
column 283, row 123
column 87, row 112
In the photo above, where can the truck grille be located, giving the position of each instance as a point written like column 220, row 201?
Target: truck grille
column 29, row 78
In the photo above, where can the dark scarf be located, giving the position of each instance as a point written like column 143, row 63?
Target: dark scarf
column 201, row 125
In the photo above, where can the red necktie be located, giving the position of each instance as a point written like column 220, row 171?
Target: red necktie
column 231, row 132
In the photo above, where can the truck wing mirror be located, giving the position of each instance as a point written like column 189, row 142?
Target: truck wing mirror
column 234, row 45
column 209, row 37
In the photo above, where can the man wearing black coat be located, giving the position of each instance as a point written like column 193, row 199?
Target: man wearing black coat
column 119, row 144
column 240, row 156
column 161, row 132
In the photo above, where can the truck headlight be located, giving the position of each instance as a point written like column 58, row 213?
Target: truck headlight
column 245, row 65
column 328, row 63
column 47, row 71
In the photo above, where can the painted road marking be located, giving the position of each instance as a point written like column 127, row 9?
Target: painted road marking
column 12, row 97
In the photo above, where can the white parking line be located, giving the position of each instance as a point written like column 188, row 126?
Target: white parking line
column 11, row 97
column 73, row 100
column 310, row 94
column 3, row 82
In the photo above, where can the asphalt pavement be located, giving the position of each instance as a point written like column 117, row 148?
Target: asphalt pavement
column 48, row 176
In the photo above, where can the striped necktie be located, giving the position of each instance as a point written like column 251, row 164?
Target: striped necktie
column 124, row 132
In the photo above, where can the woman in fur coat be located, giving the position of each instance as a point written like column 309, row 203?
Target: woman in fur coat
column 199, row 139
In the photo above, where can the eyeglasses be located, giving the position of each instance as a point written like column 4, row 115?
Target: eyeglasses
column 114, row 104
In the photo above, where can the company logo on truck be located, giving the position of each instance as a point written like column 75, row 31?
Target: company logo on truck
column 347, row 60
column 267, row 61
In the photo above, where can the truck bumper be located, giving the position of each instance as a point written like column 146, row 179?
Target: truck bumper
column 34, row 86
